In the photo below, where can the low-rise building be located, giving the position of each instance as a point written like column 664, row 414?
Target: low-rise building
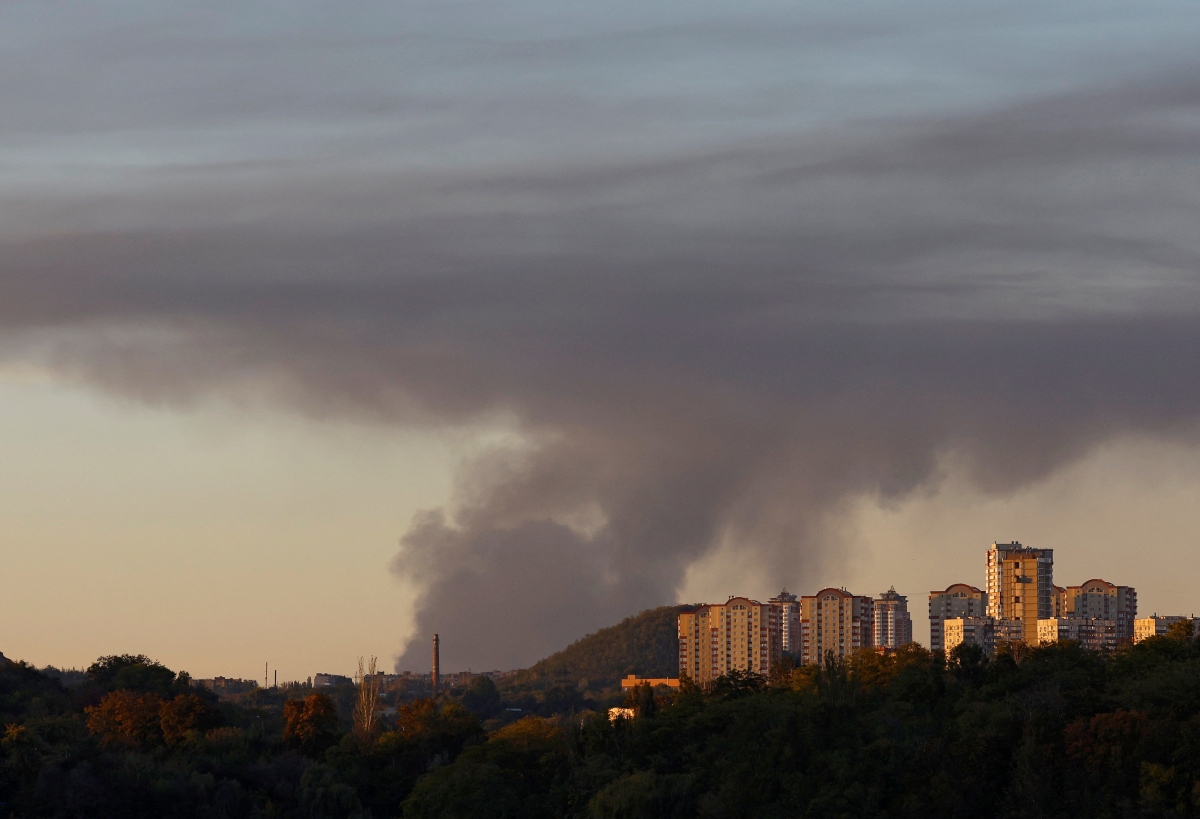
column 986, row 632
column 1158, row 625
column 227, row 685
column 323, row 680
column 633, row 681
column 1091, row 632
column 976, row 631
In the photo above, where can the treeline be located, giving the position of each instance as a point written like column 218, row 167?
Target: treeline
column 1054, row 731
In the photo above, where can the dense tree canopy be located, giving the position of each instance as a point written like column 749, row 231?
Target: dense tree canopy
column 1054, row 731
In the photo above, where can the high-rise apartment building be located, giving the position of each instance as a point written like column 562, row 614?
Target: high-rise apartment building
column 789, row 620
column 1020, row 586
column 834, row 620
column 741, row 634
column 959, row 600
column 893, row 625
column 1101, row 600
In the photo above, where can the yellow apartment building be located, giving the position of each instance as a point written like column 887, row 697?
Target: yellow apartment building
column 740, row 634
column 834, row 620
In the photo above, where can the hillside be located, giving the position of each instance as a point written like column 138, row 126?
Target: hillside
column 645, row 644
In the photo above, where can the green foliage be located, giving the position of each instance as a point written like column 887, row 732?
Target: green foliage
column 26, row 692
column 1052, row 732
column 519, row 773
column 646, row 644
column 482, row 697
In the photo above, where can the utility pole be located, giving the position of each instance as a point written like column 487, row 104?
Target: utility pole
column 266, row 676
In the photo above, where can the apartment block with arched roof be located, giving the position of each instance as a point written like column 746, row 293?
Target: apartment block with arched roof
column 960, row 600
column 738, row 635
column 834, row 620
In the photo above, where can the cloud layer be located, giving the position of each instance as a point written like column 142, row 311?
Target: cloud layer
column 711, row 333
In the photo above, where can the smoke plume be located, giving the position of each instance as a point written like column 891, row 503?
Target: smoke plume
column 690, row 346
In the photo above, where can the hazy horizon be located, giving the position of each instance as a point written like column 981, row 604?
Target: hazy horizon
column 324, row 328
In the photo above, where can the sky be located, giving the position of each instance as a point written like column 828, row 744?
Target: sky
column 324, row 328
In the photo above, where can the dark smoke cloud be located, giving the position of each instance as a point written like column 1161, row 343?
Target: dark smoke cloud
column 695, row 347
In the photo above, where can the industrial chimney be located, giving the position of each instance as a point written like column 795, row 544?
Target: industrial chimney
column 436, row 666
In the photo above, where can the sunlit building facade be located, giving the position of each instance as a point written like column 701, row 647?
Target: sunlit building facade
column 740, row 634
column 958, row 601
column 978, row 631
column 1157, row 625
column 1092, row 633
column 834, row 620
column 1100, row 600
column 1020, row 586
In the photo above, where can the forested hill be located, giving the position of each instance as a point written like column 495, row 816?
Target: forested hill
column 645, row 644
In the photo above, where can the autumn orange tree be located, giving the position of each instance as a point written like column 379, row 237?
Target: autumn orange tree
column 185, row 714
column 310, row 724
column 127, row 719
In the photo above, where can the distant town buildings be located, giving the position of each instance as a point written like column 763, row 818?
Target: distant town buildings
column 738, row 635
column 893, row 625
column 323, row 680
column 958, row 601
column 227, row 685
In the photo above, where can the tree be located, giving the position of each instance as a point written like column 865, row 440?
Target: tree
column 517, row 774
column 482, row 696
column 366, row 705
column 310, row 724
column 133, row 672
column 127, row 719
column 1181, row 630
column 641, row 700
column 184, row 714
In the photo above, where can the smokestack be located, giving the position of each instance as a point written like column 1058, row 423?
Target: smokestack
column 436, row 665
